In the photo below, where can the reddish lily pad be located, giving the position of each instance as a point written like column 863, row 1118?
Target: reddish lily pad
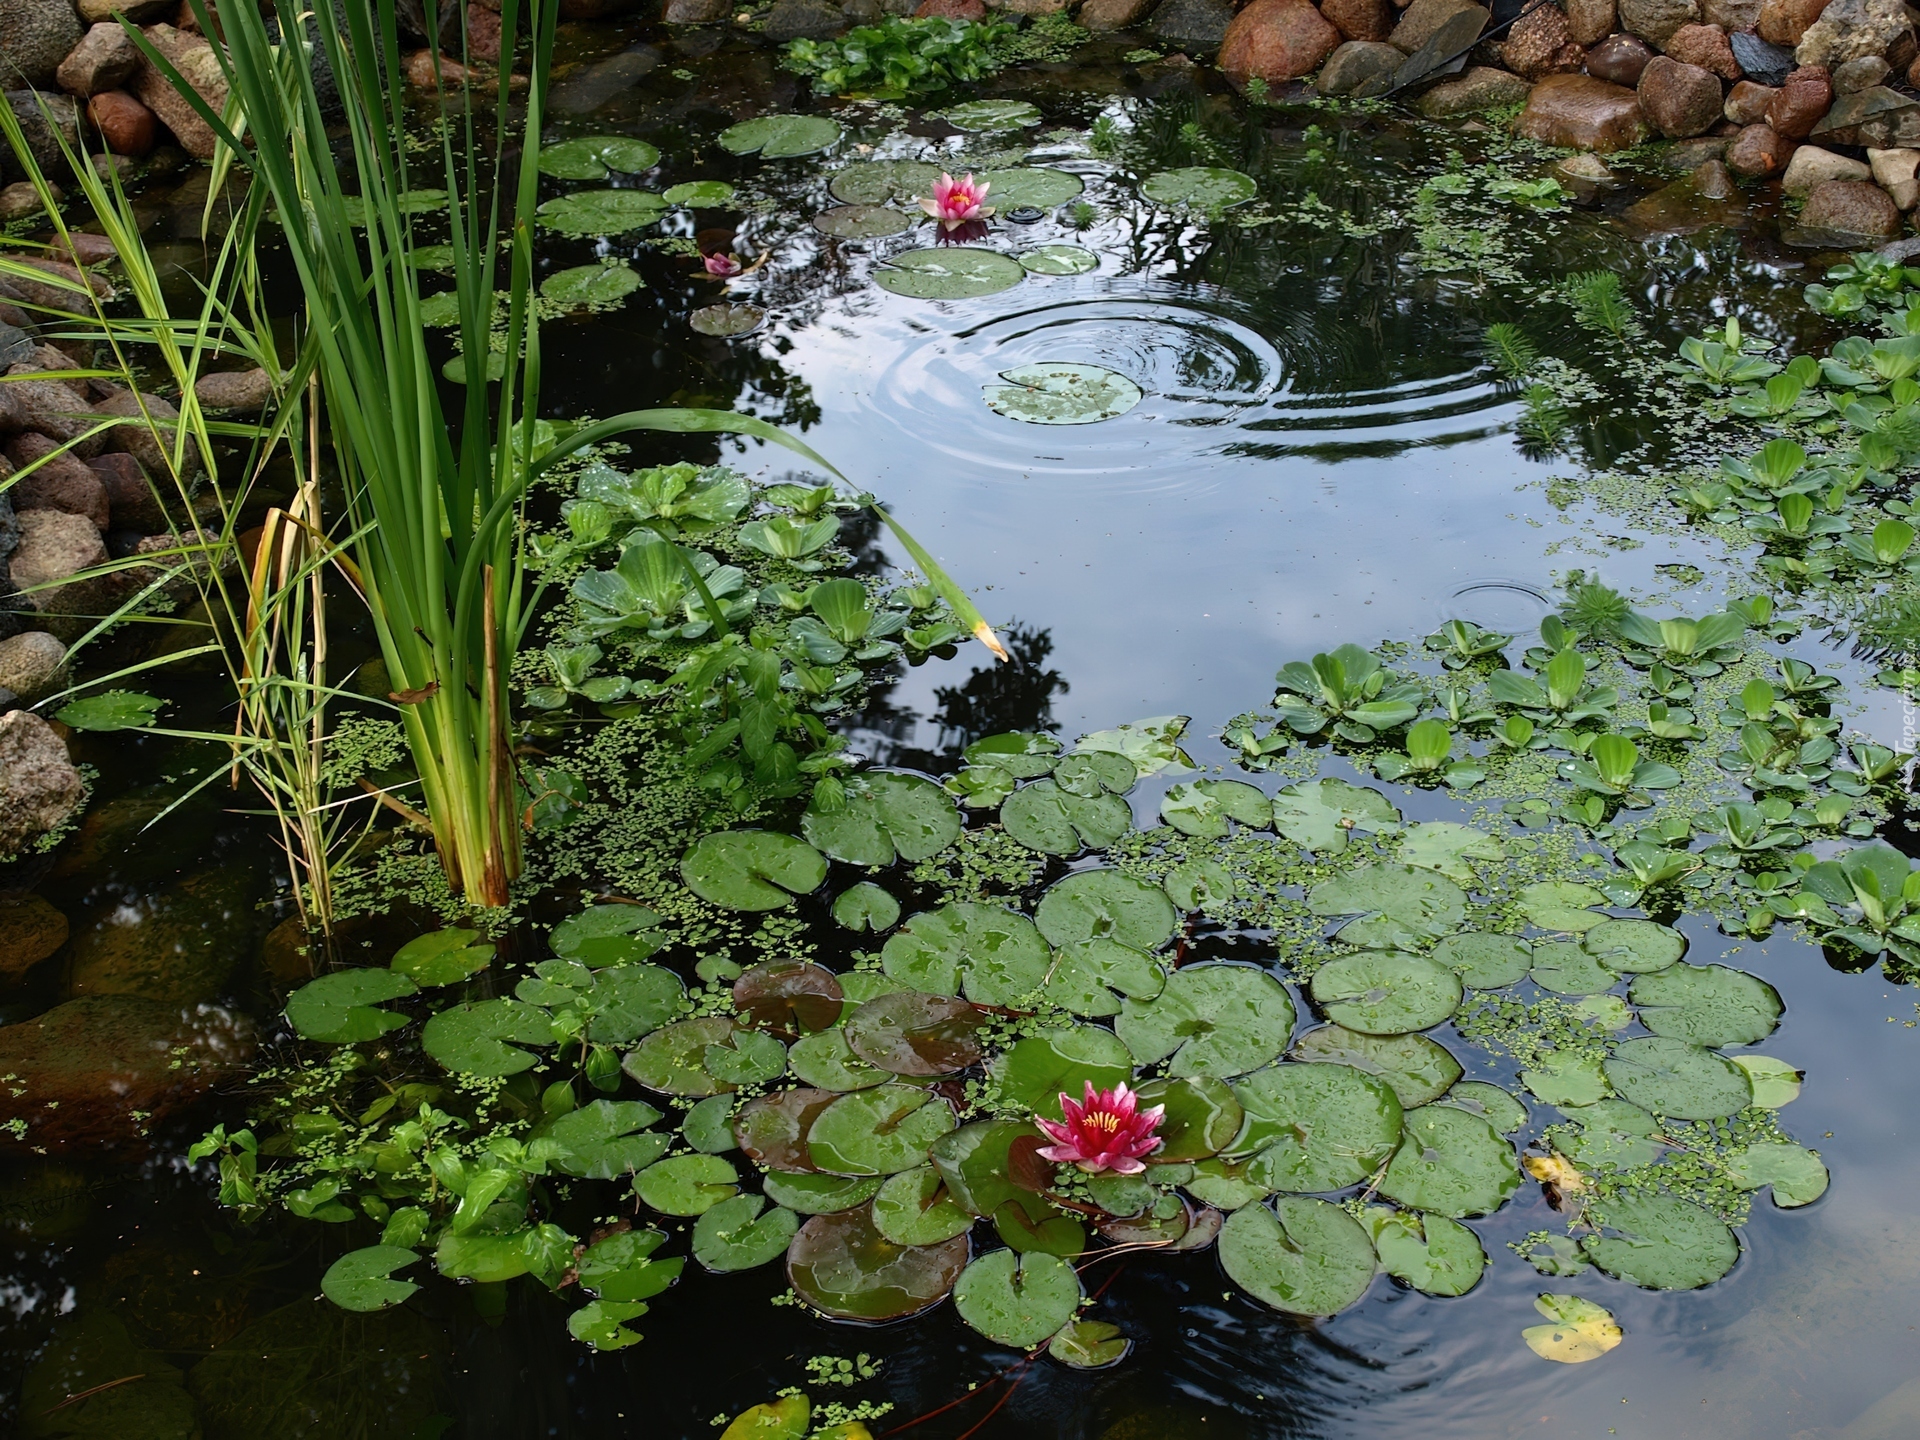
column 907, row 1033
column 843, row 1267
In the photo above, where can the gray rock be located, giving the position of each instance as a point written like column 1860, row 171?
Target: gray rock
column 1849, row 29
column 592, row 86
column 1422, row 20
column 1481, row 88
column 1456, row 33
column 138, row 437
column 103, row 60
column 1655, row 20
column 1812, row 167
column 39, row 788
column 234, row 392
column 35, row 36
column 1880, row 116
column 42, row 118
column 1859, row 74
column 138, row 11
column 1689, row 155
column 1765, row 64
column 17, row 201
column 1359, row 67
column 803, row 20
column 31, row 663
column 1731, row 15
column 1192, row 24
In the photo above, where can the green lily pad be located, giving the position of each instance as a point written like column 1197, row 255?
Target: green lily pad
column 996, row 955
column 433, row 257
column 745, row 1057
column 974, row 1162
column 699, row 194
column 1492, row 1104
column 991, row 115
column 1433, row 1254
column 602, row 1324
column 957, row 272
column 1566, row 969
column 886, row 817
column 1386, row 992
column 475, row 1039
column 1711, row 1005
column 752, row 869
column 1044, row 817
column 620, row 1268
column 862, row 222
column 341, row 1008
column 1095, row 772
column 1634, row 947
column 736, row 1235
column 1613, row 1135
column 772, row 1129
column 1202, row 1116
column 608, row 935
column 726, row 321
column 1449, row 848
column 1205, row 807
column 590, row 285
column 1084, row 970
column 456, row 368
column 1315, row 1127
column 819, row 1194
column 1203, row 187
column 1566, row 1077
column 1419, row 1069
column 360, row 1279
column 1672, row 1077
column 1029, row 1225
column 780, row 137
column 1224, row 1184
column 1106, row 905
column 1302, row 1256
column 843, row 1267
column 1034, row 1071
column 673, row 1059
column 1058, row 393
column 878, row 1132
column 909, row 1033
column 1319, row 815
column 1058, row 260
column 444, row 957
column 1395, row 905
column 407, row 202
column 1017, row 1300
column 601, row 212
column 708, row 1126
column 826, row 1062
column 1034, row 185
column 1562, row 905
column 913, row 1207
column 605, row 1139
column 1451, row 1163
column 595, row 157
column 1485, row 961
column 686, row 1184
column 866, row 907
column 1795, row 1173
column 1089, row 1345
column 1200, row 885
column 1220, row 1020
column 1775, row 1083
column 1663, row 1243
column 877, row 182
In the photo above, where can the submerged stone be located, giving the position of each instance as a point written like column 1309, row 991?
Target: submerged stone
column 178, row 947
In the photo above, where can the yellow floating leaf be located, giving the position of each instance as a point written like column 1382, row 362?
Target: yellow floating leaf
column 1581, row 1330
column 783, row 1419
column 1556, row 1170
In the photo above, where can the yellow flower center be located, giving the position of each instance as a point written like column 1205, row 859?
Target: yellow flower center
column 1104, row 1120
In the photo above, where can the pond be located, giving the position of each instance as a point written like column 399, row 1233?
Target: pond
column 1330, row 447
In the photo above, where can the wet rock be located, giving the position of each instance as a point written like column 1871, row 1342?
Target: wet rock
column 596, row 9
column 592, row 86
column 1584, row 170
column 1850, row 29
column 83, row 247
column 1590, row 21
column 31, row 930
column 1480, row 88
column 1542, row 43
column 1860, row 74
column 1422, row 20
column 56, row 294
column 1104, row 15
column 1687, row 156
column 1359, row 67
column 1898, row 173
column 1679, row 99
column 1456, row 34
column 97, row 1073
column 179, row 947
column 1582, row 113
column 54, row 547
column 1276, row 41
column 1707, row 47
column 136, row 434
column 32, row 663
column 39, row 788
column 235, row 392
column 1619, row 60
column 1713, row 181
column 1655, row 20
column 53, row 408
column 1680, row 209
column 1747, row 102
column 483, row 34
column 193, row 57
column 1765, row 63
column 1785, row 22
column 705, row 12
column 59, row 480
column 105, row 59
column 44, row 1201
column 141, row 12
column 1812, row 167
column 803, row 20
column 1758, row 151
column 1801, row 103
column 1731, row 15
column 131, row 502
column 1851, row 207
column 1357, row 19
column 46, row 120
column 1880, row 116
column 18, row 201
column 1197, row 24
column 35, row 36
column 430, row 71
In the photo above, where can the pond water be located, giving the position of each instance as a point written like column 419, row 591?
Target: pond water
column 1323, row 455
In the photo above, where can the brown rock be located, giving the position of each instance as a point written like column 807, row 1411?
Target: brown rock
column 193, row 57
column 39, row 788
column 105, row 59
column 1619, row 59
column 1851, row 207
column 96, row 12
column 234, row 392
column 1731, row 15
column 1589, row 21
column 1712, row 181
column 1358, row 19
column 1422, row 20
column 1758, row 151
column 18, row 200
column 951, row 10
column 1104, row 15
column 1542, row 43
column 128, row 127
column 1707, row 47
column 137, row 434
column 1582, row 113
column 131, row 500
column 1277, row 41
column 1801, row 103
column 1359, row 67
column 1747, row 102
column 53, row 408
column 54, row 547
column 427, row 71
column 30, row 928
column 1853, row 29
column 716, row 12
column 1655, row 20
column 32, row 664
column 1679, row 99
column 67, row 295
column 483, row 35
column 1785, row 22
column 83, row 247
column 1481, row 88
column 179, row 946
column 59, row 480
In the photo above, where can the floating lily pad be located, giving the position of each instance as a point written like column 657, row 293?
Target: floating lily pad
column 590, row 285
column 780, row 137
column 407, row 202
column 976, row 1159
column 745, row 1057
column 1451, row 1163
column 1089, row 1345
column 878, row 1132
column 866, row 907
column 726, row 321
column 456, row 368
column 876, row 182
column 862, row 222
column 342, row 1008
column 1044, row 817
column 1315, row 1127
column 1022, row 754
column 1029, row 1225
column 1034, row 185
column 909, row 1033
column 1492, row 1104
column 1419, row 1069
column 1396, row 905
column 673, row 1059
column 1034, row 1071
column 772, row 1129
column 483, row 1038
column 1578, row 1330
column 608, row 935
column 1613, row 1135
column 1662, row 1242
column 996, row 956
column 1106, row 905
column 1058, row 260
column 1203, row 187
column 752, row 869
column 1562, row 905
column 686, row 1184
column 1224, row 1183
column 1087, row 973
column 1795, row 1173
column 433, row 257
column 1319, row 815
column 1775, row 1083
column 741, row 1233
column 1711, row 1005
column 605, row 1139
column 620, row 1267
column 1634, row 947
column 1017, row 1300
column 1485, row 961
column 708, row 1126
column 601, row 212
column 992, row 115
column 788, row 996
column 1566, row 1077
column 1058, row 393
column 819, row 1194
column 361, row 1279
column 1672, row 1077
column 914, row 1207
column 1095, row 773
column 1304, row 1257
column 1449, row 848
column 700, row 194
column 444, row 957
column 1220, row 1020
column 843, row 1267
column 957, row 272
column 1200, row 884
column 1433, row 1254
column 1566, row 969
column 826, row 1062
column 1205, row 807
column 1386, row 992
column 595, row 157
column 885, row 817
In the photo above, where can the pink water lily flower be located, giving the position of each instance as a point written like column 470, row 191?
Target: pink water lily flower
column 722, row 266
column 1108, row 1132
column 955, row 202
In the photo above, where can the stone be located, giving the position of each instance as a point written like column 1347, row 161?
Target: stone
column 1456, row 34
column 54, row 547
column 1862, row 73
column 193, row 57
column 141, row 12
column 1354, row 19
column 39, row 788
column 45, row 121
column 1747, row 102
column 1687, row 156
column 97, row 1074
column 35, row 36
column 1786, row 22
column 1480, row 88
column 131, row 501
column 235, row 392
column 1731, row 15
column 1679, row 99
column 595, row 9
column 1763, row 62
column 1590, row 21
column 54, row 408
column 1707, row 47
column 790, row 20
column 1850, row 29
column 1801, row 104
column 428, row 70
column 180, row 946
column 136, row 434
column 1195, row 24
column 56, row 296
column 1880, row 116
column 83, row 247
column 1898, row 173
column 483, row 35
column 1357, row 67
column 1586, row 169
column 1712, row 181
column 1679, row 209
column 1812, row 167
column 105, row 59
column 1542, row 43
column 30, row 928
column 1276, row 41
column 18, row 200
column 126, row 126
column 32, row 664
column 59, row 480
column 1758, row 151
column 1654, row 21
column 1422, row 20
column 1582, row 113
column 704, row 12
column 1105, row 15
column 1851, row 207
column 1619, row 59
